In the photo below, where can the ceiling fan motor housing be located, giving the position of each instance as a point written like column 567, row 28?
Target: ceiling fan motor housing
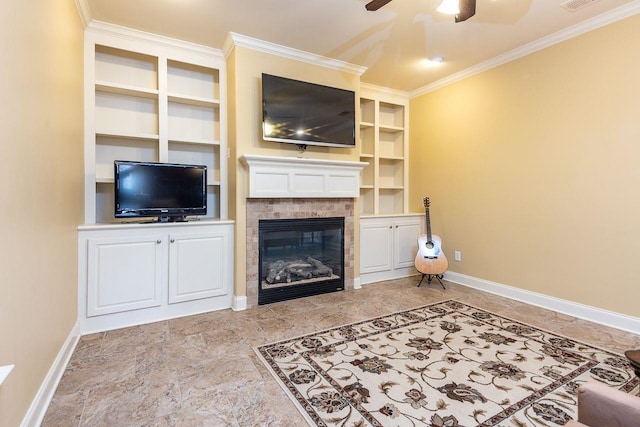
column 467, row 10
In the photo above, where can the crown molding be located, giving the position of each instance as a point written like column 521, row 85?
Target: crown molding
column 594, row 23
column 125, row 33
column 370, row 88
column 84, row 12
column 234, row 40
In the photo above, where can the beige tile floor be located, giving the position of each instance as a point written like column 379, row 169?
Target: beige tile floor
column 201, row 370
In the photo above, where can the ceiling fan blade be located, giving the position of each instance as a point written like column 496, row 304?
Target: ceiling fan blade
column 467, row 10
column 376, row 4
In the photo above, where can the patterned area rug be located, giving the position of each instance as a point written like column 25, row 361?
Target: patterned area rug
column 444, row 364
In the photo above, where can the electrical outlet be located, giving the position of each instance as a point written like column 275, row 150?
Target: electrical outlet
column 457, row 255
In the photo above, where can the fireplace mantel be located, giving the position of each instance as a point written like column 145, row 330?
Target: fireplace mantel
column 295, row 177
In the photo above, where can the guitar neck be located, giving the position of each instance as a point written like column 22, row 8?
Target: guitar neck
column 428, row 220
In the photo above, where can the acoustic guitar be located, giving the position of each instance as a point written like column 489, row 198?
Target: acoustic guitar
column 430, row 260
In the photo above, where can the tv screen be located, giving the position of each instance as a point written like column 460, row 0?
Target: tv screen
column 306, row 113
column 168, row 191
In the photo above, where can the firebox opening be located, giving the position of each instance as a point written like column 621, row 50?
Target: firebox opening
column 299, row 258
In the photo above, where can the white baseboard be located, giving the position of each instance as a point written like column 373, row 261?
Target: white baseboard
column 41, row 402
column 239, row 303
column 356, row 283
column 582, row 311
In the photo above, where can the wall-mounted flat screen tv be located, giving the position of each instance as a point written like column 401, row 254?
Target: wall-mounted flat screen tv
column 305, row 113
column 167, row 191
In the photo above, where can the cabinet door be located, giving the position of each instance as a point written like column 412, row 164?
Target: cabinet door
column 124, row 273
column 406, row 243
column 376, row 242
column 198, row 266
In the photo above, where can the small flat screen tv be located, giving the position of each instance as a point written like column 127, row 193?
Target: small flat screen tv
column 305, row 113
column 167, row 191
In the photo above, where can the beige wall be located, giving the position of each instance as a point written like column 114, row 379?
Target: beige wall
column 245, row 67
column 533, row 169
column 40, row 191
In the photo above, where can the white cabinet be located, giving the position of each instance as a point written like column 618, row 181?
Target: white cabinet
column 406, row 233
column 124, row 273
column 376, row 245
column 199, row 265
column 388, row 246
column 384, row 144
column 139, row 273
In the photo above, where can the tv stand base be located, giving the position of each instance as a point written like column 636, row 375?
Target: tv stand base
column 172, row 219
column 131, row 274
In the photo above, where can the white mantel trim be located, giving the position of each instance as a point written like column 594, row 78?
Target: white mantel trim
column 297, row 177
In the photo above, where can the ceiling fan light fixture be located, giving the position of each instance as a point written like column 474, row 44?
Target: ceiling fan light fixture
column 449, row 7
column 434, row 61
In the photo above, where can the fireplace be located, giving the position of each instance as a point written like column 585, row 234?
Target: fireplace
column 298, row 188
column 259, row 210
column 299, row 257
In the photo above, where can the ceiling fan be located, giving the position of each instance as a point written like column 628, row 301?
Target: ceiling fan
column 467, row 8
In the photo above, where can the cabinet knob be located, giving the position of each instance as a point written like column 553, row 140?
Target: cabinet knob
column 158, row 241
column 390, row 227
column 172, row 240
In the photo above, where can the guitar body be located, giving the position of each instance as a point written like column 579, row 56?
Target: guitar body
column 430, row 259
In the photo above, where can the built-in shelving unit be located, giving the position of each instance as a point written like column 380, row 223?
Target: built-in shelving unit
column 151, row 100
column 384, row 218
column 384, row 145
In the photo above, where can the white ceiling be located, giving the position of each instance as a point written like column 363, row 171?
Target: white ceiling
column 391, row 42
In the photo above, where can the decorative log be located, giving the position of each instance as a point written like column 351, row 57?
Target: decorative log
column 320, row 270
column 275, row 273
column 292, row 271
column 298, row 271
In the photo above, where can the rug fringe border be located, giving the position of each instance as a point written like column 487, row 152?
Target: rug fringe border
column 320, row 331
column 291, row 397
column 620, row 354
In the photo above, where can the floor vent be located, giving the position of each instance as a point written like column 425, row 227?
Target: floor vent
column 573, row 5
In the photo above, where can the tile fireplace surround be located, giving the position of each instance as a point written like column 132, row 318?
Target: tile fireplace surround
column 296, row 188
column 294, row 208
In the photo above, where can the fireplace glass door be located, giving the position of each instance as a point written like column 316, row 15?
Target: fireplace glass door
column 300, row 257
